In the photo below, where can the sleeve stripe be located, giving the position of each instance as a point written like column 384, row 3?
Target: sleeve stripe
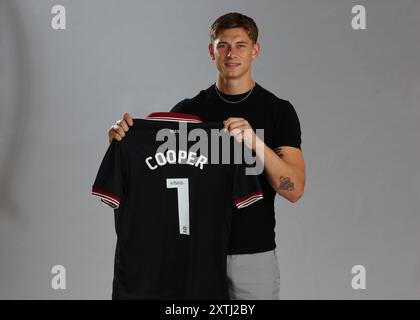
column 176, row 119
column 109, row 204
column 246, row 201
column 106, row 197
column 106, row 193
column 251, row 201
column 109, row 201
column 174, row 116
column 249, row 195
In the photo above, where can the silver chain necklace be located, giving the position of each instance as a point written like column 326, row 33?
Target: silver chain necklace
column 217, row 91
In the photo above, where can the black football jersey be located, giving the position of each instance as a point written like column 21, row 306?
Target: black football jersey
column 173, row 209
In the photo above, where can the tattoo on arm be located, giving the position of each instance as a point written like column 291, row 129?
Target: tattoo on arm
column 286, row 184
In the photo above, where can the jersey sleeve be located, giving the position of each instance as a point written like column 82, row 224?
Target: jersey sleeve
column 287, row 130
column 108, row 185
column 246, row 188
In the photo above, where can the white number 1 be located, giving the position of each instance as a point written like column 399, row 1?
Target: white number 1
column 183, row 203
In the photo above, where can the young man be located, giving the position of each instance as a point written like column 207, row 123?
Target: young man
column 243, row 106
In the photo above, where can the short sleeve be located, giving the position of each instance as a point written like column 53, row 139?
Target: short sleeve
column 246, row 188
column 108, row 185
column 287, row 130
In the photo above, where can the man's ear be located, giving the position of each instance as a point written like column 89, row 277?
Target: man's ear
column 256, row 50
column 211, row 51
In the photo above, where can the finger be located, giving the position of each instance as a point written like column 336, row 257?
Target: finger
column 236, row 132
column 244, row 133
column 225, row 124
column 228, row 121
column 247, row 130
column 241, row 129
column 122, row 123
column 112, row 134
column 235, row 122
column 239, row 137
column 119, row 130
column 228, row 124
column 241, row 124
column 127, row 117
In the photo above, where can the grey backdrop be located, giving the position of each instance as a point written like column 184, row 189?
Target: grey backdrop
column 356, row 93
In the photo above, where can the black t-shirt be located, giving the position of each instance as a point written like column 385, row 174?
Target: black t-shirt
column 253, row 230
column 173, row 210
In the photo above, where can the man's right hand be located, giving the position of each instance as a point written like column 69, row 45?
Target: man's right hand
column 118, row 130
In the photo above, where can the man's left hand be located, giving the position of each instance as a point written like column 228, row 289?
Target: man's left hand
column 241, row 130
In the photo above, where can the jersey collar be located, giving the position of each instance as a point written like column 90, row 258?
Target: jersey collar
column 174, row 116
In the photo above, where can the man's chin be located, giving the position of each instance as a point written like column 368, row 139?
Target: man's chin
column 232, row 75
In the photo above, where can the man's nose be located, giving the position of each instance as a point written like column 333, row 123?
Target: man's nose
column 231, row 52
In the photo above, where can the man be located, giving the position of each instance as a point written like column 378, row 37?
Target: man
column 243, row 106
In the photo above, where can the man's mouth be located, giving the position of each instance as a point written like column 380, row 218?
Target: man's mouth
column 232, row 64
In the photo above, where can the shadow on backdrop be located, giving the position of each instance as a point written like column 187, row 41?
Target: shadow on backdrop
column 14, row 93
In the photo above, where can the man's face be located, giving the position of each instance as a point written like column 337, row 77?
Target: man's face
column 233, row 52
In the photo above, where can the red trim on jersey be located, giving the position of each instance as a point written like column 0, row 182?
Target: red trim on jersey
column 109, row 203
column 242, row 199
column 174, row 116
column 250, row 198
column 108, row 198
